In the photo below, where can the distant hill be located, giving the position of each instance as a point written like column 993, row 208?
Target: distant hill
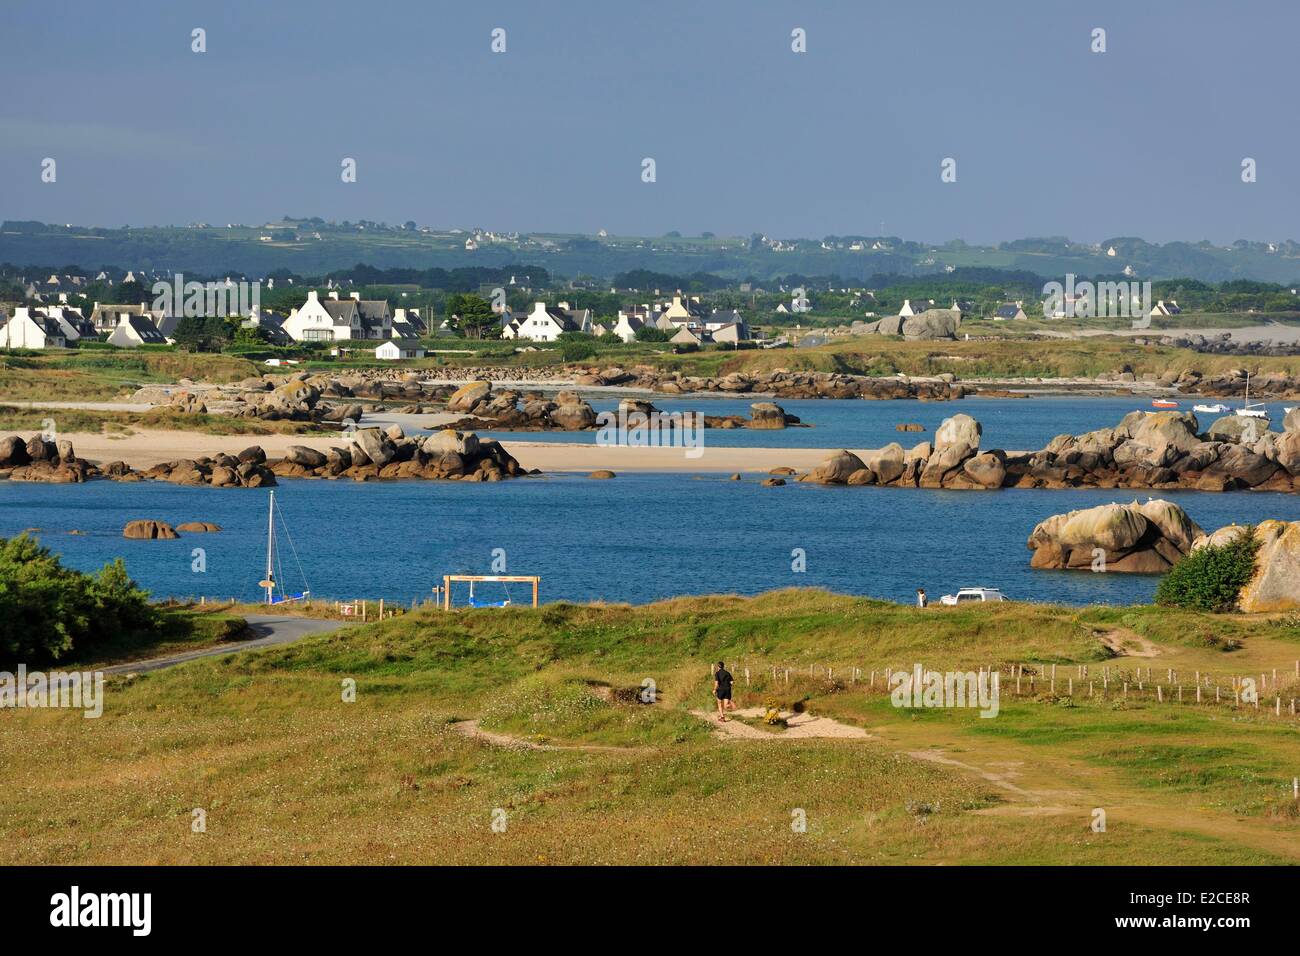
column 313, row 247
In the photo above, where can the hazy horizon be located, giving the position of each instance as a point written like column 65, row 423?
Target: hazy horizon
column 1050, row 139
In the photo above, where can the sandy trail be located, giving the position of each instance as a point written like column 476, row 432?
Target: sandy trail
column 798, row 726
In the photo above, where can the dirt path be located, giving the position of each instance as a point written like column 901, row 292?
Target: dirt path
column 471, row 729
column 1037, row 783
column 798, row 727
column 1128, row 644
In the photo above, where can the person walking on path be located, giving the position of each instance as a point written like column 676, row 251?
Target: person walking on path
column 722, row 681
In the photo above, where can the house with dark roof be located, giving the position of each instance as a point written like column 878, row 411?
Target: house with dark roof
column 1010, row 310
column 31, row 329
column 107, row 317
column 75, row 326
column 683, row 310
column 136, row 330
column 331, row 319
column 546, row 323
column 400, row 349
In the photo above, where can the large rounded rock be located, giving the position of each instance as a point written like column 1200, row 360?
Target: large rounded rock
column 944, row 461
column 1236, row 428
column 1111, row 527
column 13, row 452
column 958, row 430
column 887, row 463
column 1240, row 463
column 38, row 449
column 987, row 470
column 1136, row 539
column 1276, row 583
column 440, row 443
column 302, row 455
column 199, row 527
column 297, row 393
column 1160, row 430
column 468, row 395
column 836, row 469
column 1288, row 451
column 373, row 445
column 1172, row 522
column 1292, row 421
column 768, row 415
column 573, row 416
column 932, row 324
column 147, row 528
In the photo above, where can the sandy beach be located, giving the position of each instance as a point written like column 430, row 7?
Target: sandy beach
column 145, row 448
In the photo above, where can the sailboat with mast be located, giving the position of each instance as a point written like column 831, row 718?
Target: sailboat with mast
column 272, row 583
column 1247, row 410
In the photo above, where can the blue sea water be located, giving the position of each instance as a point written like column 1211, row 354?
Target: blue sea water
column 1016, row 424
column 637, row 538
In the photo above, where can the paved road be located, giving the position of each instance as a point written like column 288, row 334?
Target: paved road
column 270, row 630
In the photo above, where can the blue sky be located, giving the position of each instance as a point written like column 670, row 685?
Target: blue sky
column 1145, row 139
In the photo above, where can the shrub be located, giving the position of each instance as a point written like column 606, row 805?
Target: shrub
column 1210, row 578
column 578, row 350
column 48, row 611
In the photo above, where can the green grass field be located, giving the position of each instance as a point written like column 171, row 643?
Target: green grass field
column 536, row 718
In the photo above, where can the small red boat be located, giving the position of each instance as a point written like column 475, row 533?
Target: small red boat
column 1163, row 403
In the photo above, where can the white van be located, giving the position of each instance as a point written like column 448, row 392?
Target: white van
column 968, row 595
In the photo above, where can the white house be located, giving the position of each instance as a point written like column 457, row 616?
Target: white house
column 32, row 329
column 546, row 322
column 74, row 325
column 628, row 324
column 909, row 308
column 1010, row 310
column 331, row 319
column 134, row 331
column 106, row 317
column 395, row 349
column 1165, row 308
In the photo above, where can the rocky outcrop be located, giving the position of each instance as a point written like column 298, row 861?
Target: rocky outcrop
column 768, row 415
column 837, row 468
column 372, row 454
column 199, row 527
column 1160, row 450
column 1275, row 585
column 1134, row 538
column 147, row 528
column 932, row 324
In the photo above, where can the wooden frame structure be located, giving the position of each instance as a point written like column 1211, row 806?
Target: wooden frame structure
column 534, row 580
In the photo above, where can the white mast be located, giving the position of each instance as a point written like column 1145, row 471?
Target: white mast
column 269, row 583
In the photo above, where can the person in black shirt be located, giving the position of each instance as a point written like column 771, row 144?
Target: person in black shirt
column 722, row 691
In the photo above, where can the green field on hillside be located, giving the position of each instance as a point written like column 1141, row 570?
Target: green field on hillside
column 537, row 720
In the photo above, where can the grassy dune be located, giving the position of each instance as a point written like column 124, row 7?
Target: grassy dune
column 288, row 772
column 103, row 375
